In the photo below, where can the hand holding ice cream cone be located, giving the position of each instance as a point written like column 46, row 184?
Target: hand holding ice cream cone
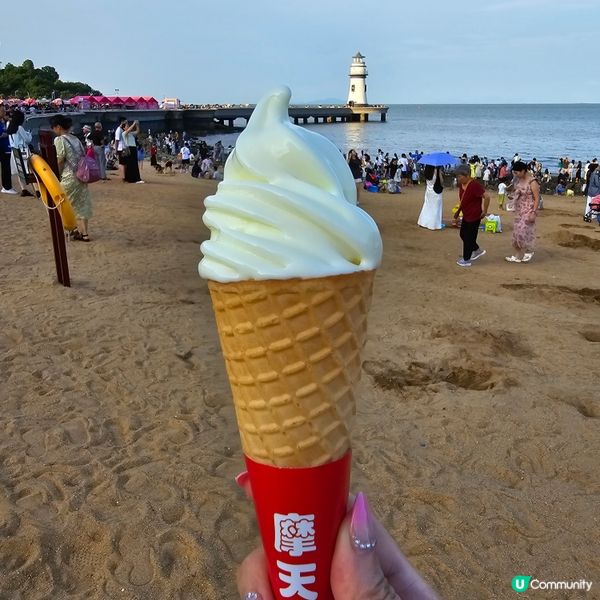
column 290, row 265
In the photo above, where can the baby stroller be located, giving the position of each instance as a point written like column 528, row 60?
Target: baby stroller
column 593, row 210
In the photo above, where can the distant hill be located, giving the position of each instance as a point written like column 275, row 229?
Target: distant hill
column 27, row 81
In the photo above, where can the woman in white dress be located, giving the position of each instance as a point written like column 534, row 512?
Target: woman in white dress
column 431, row 213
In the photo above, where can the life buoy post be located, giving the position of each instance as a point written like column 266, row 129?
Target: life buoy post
column 48, row 153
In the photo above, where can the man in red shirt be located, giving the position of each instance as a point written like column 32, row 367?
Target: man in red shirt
column 472, row 195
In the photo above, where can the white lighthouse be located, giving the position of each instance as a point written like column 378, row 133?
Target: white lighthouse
column 357, row 92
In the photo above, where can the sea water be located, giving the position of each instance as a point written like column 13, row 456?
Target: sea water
column 543, row 131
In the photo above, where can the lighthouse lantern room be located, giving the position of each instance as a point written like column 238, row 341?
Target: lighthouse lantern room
column 357, row 92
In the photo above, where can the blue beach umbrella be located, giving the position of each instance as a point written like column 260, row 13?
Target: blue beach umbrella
column 438, row 159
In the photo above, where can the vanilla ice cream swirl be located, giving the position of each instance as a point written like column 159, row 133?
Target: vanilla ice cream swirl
column 286, row 206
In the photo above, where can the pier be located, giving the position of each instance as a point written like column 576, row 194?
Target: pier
column 303, row 115
column 205, row 120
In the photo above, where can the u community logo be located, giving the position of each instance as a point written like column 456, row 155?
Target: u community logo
column 522, row 583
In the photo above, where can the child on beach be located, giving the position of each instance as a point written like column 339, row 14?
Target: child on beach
column 501, row 194
column 140, row 156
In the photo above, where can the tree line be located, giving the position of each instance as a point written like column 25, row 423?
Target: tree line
column 31, row 82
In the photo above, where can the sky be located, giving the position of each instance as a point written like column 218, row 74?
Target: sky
column 235, row 51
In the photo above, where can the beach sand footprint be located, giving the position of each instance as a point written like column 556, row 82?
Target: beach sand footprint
column 178, row 551
column 132, row 562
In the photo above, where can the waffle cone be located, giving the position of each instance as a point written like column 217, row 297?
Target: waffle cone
column 292, row 350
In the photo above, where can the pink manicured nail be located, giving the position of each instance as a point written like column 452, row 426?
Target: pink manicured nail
column 252, row 596
column 360, row 527
column 242, row 480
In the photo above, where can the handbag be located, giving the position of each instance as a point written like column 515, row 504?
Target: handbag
column 86, row 169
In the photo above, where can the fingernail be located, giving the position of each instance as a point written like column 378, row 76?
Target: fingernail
column 360, row 527
column 252, row 596
column 242, row 480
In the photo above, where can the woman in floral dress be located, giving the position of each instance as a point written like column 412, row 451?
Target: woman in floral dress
column 526, row 196
column 68, row 151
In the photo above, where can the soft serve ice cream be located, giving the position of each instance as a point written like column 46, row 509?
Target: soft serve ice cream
column 290, row 263
column 286, row 206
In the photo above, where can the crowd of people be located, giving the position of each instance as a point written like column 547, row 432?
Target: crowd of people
column 518, row 183
column 389, row 172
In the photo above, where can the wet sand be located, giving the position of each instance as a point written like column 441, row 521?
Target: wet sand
column 476, row 438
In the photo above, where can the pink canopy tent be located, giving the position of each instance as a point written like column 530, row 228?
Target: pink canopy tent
column 151, row 103
column 137, row 102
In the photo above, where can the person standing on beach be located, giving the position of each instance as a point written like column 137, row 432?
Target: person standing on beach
column 527, row 199
column 474, row 202
column 5, row 154
column 355, row 165
column 433, row 204
column 98, row 140
column 20, row 142
column 185, row 158
column 68, row 152
column 132, row 167
column 578, row 172
column 501, row 194
column 120, row 145
column 592, row 185
column 153, row 153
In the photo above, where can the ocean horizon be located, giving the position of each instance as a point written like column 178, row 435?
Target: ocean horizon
column 545, row 131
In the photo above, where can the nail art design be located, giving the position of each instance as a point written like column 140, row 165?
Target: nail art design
column 252, row 596
column 360, row 527
column 242, row 478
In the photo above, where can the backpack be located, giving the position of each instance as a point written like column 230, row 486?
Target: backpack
column 86, row 169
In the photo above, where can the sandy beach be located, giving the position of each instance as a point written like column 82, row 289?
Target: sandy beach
column 477, row 432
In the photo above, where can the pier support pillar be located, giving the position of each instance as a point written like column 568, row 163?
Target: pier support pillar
column 364, row 117
column 383, row 117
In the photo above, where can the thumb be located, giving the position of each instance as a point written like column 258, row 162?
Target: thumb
column 355, row 570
